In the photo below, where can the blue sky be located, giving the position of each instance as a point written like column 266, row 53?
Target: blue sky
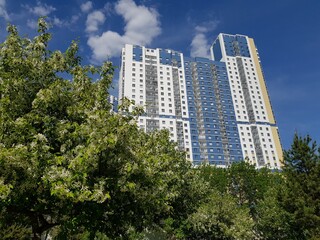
column 286, row 32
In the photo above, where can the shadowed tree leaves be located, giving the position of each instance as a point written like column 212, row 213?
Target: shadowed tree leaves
column 72, row 169
column 67, row 163
column 221, row 218
column 302, row 196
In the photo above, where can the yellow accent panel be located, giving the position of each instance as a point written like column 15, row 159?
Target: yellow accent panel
column 261, row 81
column 277, row 143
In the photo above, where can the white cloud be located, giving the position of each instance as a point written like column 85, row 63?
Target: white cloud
column 32, row 24
column 108, row 8
column 94, row 19
column 201, row 29
column 58, row 22
column 74, row 19
column 107, row 45
column 3, row 11
column 64, row 22
column 142, row 25
column 41, row 9
column 86, row 7
column 199, row 44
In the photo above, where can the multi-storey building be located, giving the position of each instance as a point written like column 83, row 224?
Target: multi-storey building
column 256, row 123
column 154, row 78
column 114, row 102
column 217, row 110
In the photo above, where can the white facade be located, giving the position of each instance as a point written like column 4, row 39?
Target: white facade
column 257, row 128
column 158, row 80
column 147, row 77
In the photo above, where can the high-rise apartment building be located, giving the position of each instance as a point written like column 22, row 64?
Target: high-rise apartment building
column 217, row 110
column 114, row 103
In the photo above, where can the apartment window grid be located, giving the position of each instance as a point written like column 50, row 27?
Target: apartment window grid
column 208, row 100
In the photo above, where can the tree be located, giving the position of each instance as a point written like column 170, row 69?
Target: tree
column 216, row 177
column 272, row 221
column 301, row 199
column 193, row 191
column 220, row 217
column 253, row 190
column 247, row 184
column 68, row 165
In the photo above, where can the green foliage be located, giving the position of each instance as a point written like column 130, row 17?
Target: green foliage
column 70, row 168
column 15, row 231
column 249, row 185
column 221, row 218
column 68, row 165
column 193, row 191
column 302, row 196
column 272, row 221
column 217, row 178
